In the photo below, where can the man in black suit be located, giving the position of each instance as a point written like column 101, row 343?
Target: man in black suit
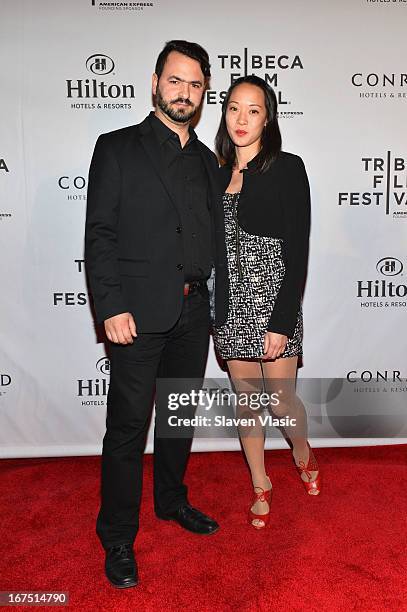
column 154, row 231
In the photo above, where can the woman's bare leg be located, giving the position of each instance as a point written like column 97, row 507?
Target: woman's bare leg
column 247, row 378
column 280, row 376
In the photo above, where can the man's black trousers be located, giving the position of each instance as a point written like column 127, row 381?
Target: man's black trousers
column 179, row 353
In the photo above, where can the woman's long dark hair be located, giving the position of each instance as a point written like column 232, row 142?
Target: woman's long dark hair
column 270, row 144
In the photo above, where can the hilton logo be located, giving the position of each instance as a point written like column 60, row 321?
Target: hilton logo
column 267, row 66
column 94, row 90
column 388, row 176
column 103, row 366
column 388, row 290
column 389, row 266
column 100, row 64
column 95, row 387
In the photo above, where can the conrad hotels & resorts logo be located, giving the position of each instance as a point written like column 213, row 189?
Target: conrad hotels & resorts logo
column 389, row 85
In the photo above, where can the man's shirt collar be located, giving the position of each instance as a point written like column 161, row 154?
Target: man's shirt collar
column 163, row 132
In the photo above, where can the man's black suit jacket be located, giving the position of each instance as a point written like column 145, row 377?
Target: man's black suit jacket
column 133, row 241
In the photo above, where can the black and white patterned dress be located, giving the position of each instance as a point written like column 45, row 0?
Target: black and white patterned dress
column 256, row 270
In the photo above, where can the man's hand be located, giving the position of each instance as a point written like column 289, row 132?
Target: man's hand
column 121, row 328
column 274, row 345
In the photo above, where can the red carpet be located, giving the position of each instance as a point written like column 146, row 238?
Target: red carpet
column 344, row 550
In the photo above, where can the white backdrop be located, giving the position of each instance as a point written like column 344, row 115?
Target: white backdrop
column 338, row 70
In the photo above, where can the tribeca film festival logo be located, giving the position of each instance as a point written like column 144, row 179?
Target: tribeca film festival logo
column 74, row 187
column 72, row 298
column 380, row 85
column 269, row 67
column 95, row 388
column 389, row 182
column 5, row 382
column 93, row 92
column 122, row 6
column 385, row 292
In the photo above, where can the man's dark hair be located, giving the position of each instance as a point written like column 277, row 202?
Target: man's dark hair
column 270, row 144
column 192, row 50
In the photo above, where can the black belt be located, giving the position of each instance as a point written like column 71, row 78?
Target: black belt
column 193, row 286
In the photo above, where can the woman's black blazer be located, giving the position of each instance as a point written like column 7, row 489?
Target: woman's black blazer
column 277, row 203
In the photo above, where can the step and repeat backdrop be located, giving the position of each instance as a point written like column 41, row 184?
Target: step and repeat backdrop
column 73, row 70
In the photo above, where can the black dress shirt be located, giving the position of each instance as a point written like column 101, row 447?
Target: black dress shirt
column 189, row 181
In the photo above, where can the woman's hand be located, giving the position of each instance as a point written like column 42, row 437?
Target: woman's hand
column 274, row 345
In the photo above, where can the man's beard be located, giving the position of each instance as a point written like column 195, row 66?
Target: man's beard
column 180, row 115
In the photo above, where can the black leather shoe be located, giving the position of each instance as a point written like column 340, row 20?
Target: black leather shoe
column 121, row 566
column 192, row 519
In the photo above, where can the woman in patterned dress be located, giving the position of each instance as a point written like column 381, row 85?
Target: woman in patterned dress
column 267, row 216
